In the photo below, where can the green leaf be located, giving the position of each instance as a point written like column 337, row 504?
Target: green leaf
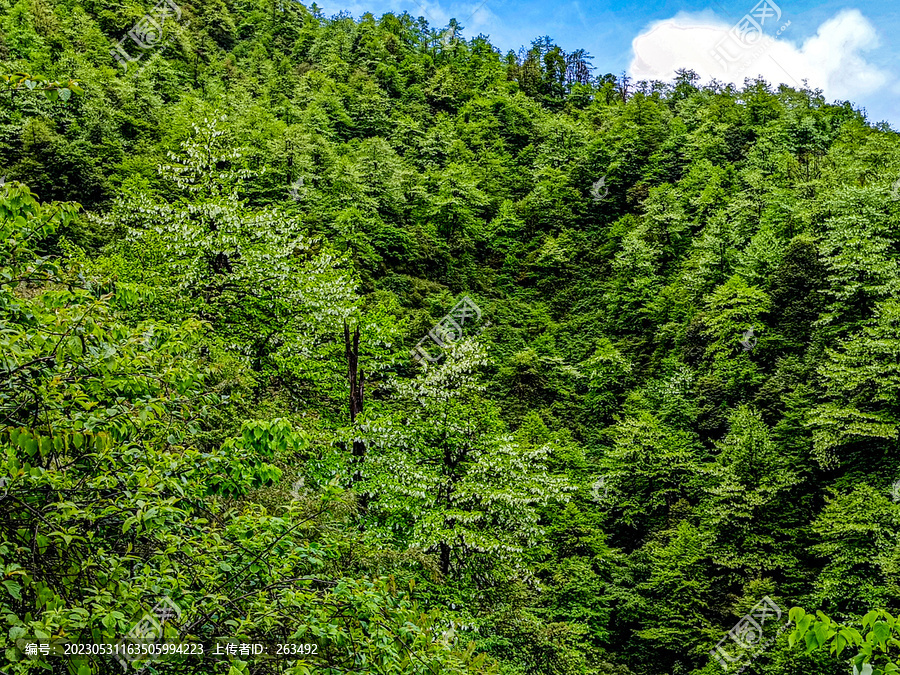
column 882, row 632
column 822, row 633
column 850, row 636
column 812, row 641
column 840, row 643
column 13, row 588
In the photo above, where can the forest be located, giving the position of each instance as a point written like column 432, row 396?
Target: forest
column 360, row 336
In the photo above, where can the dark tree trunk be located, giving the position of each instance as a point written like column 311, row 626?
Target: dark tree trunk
column 357, row 380
column 354, row 376
column 445, row 558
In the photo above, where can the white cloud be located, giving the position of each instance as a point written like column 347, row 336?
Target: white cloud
column 829, row 60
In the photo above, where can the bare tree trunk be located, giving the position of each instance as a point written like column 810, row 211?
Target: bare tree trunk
column 357, row 380
column 445, row 558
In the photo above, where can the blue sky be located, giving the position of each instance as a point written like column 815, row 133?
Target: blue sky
column 843, row 48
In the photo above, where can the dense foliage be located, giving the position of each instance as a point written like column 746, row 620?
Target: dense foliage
column 215, row 263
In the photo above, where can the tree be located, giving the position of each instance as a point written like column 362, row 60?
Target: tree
column 860, row 377
column 745, row 489
column 442, row 476
column 649, row 469
column 857, row 251
column 796, row 287
column 112, row 496
column 270, row 291
column 856, row 542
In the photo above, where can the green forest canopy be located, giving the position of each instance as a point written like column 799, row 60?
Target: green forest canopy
column 681, row 396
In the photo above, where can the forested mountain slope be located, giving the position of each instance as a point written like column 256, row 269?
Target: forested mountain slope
column 676, row 390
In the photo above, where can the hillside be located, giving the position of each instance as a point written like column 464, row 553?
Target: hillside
column 667, row 390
